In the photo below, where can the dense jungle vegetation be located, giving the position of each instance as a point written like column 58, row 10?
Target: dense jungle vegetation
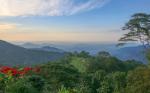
column 79, row 73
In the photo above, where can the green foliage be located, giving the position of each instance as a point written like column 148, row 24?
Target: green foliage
column 83, row 54
column 79, row 63
column 85, row 85
column 132, row 64
column 29, row 84
column 63, row 90
column 37, row 82
column 113, row 83
column 138, row 81
column 119, row 82
column 108, row 64
column 20, row 86
column 84, row 74
column 57, row 74
column 2, row 85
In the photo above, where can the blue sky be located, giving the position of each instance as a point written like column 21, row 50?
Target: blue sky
column 67, row 20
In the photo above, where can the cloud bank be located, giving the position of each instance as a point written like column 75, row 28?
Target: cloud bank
column 47, row 7
column 7, row 26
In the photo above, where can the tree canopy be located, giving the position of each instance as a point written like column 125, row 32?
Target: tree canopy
column 138, row 28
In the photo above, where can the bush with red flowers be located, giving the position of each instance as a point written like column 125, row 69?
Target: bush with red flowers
column 7, row 72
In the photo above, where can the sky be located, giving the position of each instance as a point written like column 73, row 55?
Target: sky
column 67, row 20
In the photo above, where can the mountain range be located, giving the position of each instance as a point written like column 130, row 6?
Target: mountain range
column 11, row 54
column 49, row 49
column 131, row 53
column 128, row 52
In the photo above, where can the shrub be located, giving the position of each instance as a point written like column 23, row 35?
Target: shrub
column 63, row 90
column 20, row 86
column 37, row 82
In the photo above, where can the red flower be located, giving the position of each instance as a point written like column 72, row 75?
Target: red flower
column 8, row 70
column 25, row 70
column 5, row 69
column 14, row 71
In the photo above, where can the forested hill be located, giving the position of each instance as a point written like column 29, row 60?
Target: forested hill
column 14, row 55
column 82, row 73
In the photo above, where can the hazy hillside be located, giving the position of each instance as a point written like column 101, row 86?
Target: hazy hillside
column 92, row 48
column 11, row 55
column 136, row 53
column 30, row 45
column 128, row 52
column 49, row 49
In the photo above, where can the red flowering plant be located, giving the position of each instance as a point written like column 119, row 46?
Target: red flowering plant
column 8, row 73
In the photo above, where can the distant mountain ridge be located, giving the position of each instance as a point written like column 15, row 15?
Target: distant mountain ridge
column 48, row 48
column 128, row 52
column 30, row 45
column 15, row 55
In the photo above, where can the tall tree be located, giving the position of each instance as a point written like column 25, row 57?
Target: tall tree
column 139, row 30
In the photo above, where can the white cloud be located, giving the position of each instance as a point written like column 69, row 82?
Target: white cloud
column 47, row 7
column 6, row 26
